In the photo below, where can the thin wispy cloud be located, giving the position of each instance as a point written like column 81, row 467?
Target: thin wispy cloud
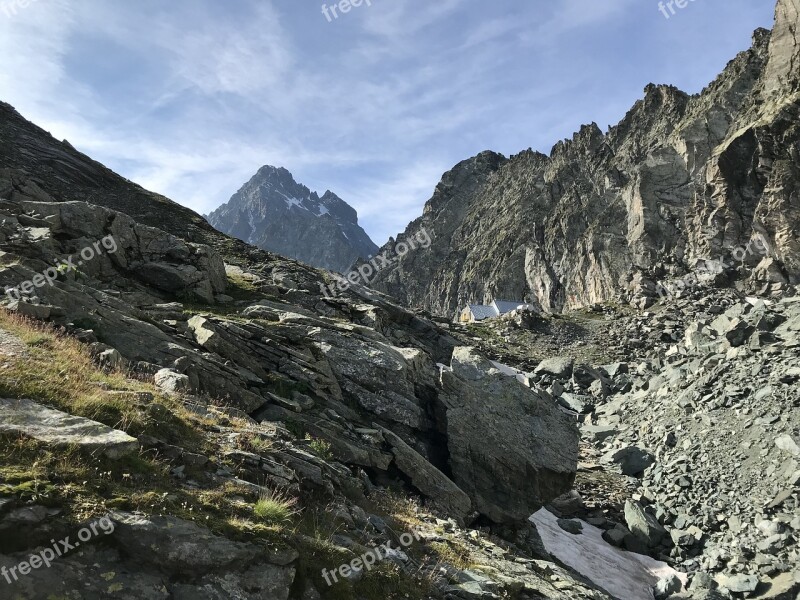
column 189, row 98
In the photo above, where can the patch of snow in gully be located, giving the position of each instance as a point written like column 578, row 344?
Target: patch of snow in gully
column 622, row 574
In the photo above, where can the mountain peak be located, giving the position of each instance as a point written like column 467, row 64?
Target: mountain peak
column 276, row 213
column 272, row 171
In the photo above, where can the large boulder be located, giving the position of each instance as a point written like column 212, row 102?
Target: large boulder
column 643, row 525
column 560, row 367
column 631, row 461
column 511, row 449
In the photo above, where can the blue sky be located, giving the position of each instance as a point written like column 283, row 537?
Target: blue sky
column 190, row 97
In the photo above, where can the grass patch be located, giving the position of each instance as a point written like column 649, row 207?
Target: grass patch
column 405, row 510
column 453, row 554
column 242, row 288
column 384, row 581
column 250, row 441
column 58, row 370
column 37, row 339
column 275, row 508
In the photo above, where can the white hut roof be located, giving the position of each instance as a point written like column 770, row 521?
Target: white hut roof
column 481, row 311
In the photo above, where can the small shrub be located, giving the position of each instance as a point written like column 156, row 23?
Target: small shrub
column 320, row 447
column 38, row 340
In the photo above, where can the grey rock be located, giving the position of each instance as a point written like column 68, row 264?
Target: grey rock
column 261, row 582
column 59, row 429
column 171, row 381
column 617, row 535
column 632, row 461
column 493, row 442
column 28, row 309
column 428, row 479
column 788, row 444
column 182, row 547
column 597, row 434
column 666, row 587
column 560, row 367
column 574, row 402
column 739, row 583
column 567, row 504
column 27, row 515
column 643, row 525
column 572, row 526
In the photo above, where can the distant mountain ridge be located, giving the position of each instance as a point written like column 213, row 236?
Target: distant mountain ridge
column 681, row 181
column 274, row 212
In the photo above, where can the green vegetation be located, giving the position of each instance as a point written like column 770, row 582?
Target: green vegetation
column 251, row 441
column 58, row 371
column 452, row 553
column 320, row 447
column 275, row 508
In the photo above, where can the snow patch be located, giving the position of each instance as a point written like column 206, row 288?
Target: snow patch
column 620, row 573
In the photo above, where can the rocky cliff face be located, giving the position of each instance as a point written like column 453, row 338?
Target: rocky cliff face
column 274, row 212
column 680, row 181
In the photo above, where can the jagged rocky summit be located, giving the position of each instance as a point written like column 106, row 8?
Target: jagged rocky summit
column 681, row 180
column 274, row 212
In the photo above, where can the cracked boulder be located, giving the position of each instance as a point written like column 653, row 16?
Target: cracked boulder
column 510, row 448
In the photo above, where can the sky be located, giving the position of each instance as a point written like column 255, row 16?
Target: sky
column 190, row 97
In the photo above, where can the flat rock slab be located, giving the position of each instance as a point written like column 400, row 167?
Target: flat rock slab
column 621, row 574
column 26, row 417
column 11, row 345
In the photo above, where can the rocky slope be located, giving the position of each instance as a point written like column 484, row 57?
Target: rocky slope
column 183, row 415
column 681, row 180
column 690, row 440
column 274, row 212
column 239, row 430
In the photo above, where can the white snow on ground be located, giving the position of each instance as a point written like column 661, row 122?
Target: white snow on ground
column 505, row 369
column 512, row 372
column 622, row 574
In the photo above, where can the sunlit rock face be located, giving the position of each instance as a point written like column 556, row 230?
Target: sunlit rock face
column 680, row 180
